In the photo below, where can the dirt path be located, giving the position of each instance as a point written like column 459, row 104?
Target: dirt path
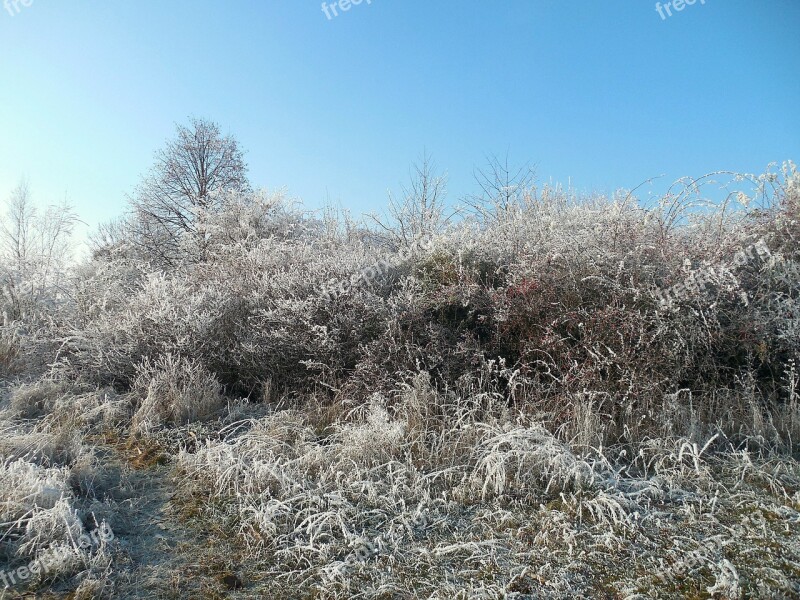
column 152, row 542
column 159, row 555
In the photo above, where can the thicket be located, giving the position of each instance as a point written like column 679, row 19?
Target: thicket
column 538, row 297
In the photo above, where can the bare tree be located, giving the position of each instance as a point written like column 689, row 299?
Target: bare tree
column 185, row 181
column 16, row 226
column 109, row 237
column 421, row 210
column 502, row 187
column 34, row 251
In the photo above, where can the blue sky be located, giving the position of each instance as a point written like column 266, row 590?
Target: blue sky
column 605, row 94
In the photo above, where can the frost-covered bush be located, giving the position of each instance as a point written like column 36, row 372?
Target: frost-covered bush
column 566, row 292
column 254, row 311
column 10, row 350
column 175, row 390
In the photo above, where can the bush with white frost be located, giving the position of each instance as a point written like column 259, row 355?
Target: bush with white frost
column 175, row 390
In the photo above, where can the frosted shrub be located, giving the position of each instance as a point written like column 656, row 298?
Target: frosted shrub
column 290, row 331
column 253, row 312
column 564, row 290
column 249, row 218
column 175, row 390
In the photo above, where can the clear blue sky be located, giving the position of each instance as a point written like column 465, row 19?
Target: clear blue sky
column 603, row 92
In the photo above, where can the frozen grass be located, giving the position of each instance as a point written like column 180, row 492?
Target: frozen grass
column 377, row 509
column 41, row 525
column 54, row 490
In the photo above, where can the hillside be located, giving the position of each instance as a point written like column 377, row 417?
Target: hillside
column 541, row 395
